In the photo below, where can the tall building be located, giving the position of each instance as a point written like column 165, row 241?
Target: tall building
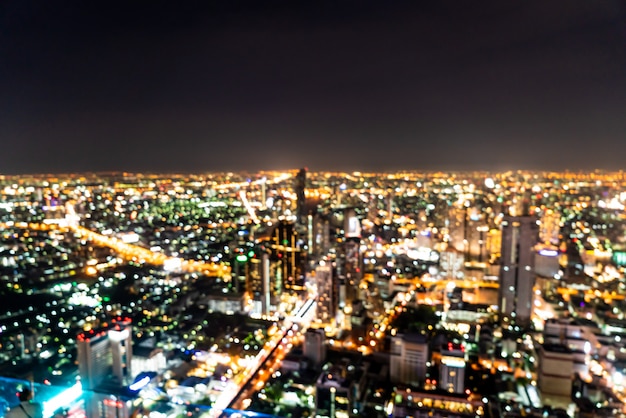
column 451, row 261
column 517, row 275
column 257, row 284
column 288, row 257
column 351, row 224
column 550, row 227
column 339, row 389
column 350, row 260
column 315, row 346
column 319, row 231
column 452, row 368
column 105, row 355
column 300, row 189
column 327, row 293
column 408, row 358
column 556, row 370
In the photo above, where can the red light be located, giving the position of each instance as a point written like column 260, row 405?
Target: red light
column 113, row 403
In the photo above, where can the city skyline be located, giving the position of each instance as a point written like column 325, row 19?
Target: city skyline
column 276, row 85
column 314, row 294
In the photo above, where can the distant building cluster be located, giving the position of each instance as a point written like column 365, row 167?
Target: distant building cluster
column 300, row 293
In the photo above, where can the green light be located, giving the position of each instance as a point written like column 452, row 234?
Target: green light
column 242, row 258
column 250, row 253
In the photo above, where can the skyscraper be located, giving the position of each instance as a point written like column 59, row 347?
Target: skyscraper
column 408, row 357
column 326, row 293
column 286, row 253
column 104, row 354
column 517, row 275
column 300, row 189
column 452, row 368
column 315, row 346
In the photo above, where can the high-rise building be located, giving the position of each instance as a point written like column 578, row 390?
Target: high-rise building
column 288, row 256
column 451, row 262
column 105, row 354
column 254, row 283
column 550, row 227
column 517, row 275
column 351, row 224
column 259, row 289
column 315, row 346
column 327, row 293
column 547, row 261
column 300, row 189
column 408, row 358
column 319, row 231
column 452, row 368
column 339, row 389
column 351, row 271
column 556, row 370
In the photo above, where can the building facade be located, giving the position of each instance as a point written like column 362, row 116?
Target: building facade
column 517, row 275
column 408, row 357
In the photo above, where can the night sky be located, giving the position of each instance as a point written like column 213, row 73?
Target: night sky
column 169, row 86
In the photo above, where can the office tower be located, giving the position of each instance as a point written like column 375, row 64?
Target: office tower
column 390, row 205
column 339, row 389
column 451, row 262
column 288, row 256
column 547, row 261
column 357, row 321
column 556, row 370
column 351, row 272
column 452, row 368
column 264, row 193
column 300, row 189
column 105, row 354
column 108, row 406
column 351, row 224
column 266, row 287
column 265, row 280
column 517, row 275
column 327, row 294
column 320, row 236
column 315, row 346
column 550, row 227
column 254, row 283
column 408, row 358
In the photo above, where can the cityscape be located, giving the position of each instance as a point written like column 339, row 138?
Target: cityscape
column 333, row 209
column 323, row 294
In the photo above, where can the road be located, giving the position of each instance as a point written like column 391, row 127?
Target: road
column 234, row 394
column 140, row 254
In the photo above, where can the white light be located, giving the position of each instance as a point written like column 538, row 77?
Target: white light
column 118, row 335
column 62, row 399
column 140, row 384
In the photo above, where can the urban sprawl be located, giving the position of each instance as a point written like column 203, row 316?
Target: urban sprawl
column 314, row 294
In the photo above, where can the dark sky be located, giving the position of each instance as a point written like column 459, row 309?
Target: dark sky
column 169, row 86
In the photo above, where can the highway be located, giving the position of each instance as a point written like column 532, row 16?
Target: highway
column 140, row 254
column 233, row 395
